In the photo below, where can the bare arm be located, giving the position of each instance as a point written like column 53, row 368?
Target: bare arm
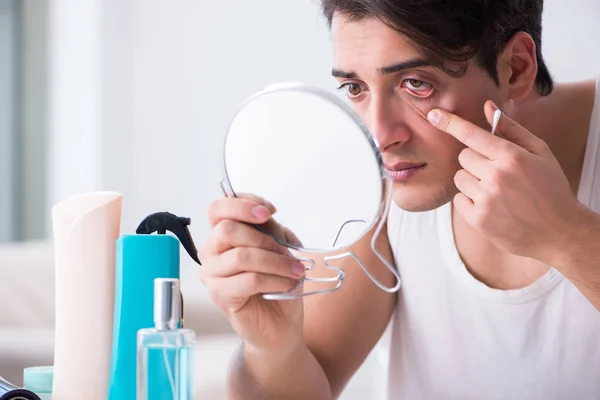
column 579, row 258
column 293, row 374
column 341, row 328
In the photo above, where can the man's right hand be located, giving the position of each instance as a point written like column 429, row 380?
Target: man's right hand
column 239, row 263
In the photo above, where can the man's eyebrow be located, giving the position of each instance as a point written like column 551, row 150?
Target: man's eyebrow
column 408, row 64
column 390, row 69
column 338, row 73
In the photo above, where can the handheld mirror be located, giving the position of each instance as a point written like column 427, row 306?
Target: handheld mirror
column 305, row 151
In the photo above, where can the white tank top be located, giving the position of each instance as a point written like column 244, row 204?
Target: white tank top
column 453, row 337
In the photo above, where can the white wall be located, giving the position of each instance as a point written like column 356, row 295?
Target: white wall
column 90, row 101
column 75, row 93
column 571, row 38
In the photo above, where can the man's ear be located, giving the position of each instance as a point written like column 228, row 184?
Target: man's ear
column 517, row 66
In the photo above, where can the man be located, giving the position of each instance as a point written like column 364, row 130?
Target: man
column 496, row 237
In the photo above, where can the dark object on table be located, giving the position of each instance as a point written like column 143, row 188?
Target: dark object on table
column 8, row 391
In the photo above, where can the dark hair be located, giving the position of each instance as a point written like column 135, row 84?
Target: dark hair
column 456, row 30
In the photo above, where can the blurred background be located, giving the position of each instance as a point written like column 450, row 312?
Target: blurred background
column 135, row 96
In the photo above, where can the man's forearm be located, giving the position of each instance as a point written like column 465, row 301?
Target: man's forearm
column 295, row 375
column 579, row 259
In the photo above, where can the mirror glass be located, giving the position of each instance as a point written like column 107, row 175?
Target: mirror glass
column 305, row 151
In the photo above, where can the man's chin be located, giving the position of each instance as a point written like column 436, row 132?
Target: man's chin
column 420, row 202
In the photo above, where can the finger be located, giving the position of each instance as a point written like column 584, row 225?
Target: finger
column 474, row 162
column 290, row 237
column 468, row 185
column 282, row 233
column 463, row 205
column 240, row 287
column 248, row 259
column 468, row 133
column 239, row 209
column 259, row 200
column 512, row 131
column 229, row 234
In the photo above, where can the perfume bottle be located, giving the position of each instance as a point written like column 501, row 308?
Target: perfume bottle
column 165, row 360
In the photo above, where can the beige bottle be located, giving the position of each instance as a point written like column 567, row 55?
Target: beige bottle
column 86, row 228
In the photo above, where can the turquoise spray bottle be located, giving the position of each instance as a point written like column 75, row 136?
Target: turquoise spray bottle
column 141, row 258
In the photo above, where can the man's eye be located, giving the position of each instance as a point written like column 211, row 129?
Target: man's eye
column 420, row 88
column 352, row 90
column 415, row 84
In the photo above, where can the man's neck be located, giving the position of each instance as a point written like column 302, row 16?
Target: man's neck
column 562, row 120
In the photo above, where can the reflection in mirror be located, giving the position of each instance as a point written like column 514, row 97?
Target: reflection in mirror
column 306, row 152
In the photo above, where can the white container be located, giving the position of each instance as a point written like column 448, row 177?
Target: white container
column 86, row 228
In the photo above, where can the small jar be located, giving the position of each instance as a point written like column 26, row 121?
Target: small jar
column 39, row 381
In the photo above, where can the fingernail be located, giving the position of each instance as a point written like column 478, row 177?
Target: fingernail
column 260, row 212
column 434, row 117
column 298, row 269
column 494, row 106
column 271, row 206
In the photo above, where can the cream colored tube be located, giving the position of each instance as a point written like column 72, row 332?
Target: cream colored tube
column 86, row 228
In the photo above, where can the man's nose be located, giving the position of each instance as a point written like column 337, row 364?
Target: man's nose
column 386, row 123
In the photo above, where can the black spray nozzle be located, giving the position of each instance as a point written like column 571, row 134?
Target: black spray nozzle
column 161, row 222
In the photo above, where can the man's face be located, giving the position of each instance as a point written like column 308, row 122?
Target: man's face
column 368, row 58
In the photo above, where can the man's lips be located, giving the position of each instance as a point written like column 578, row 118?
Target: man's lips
column 403, row 165
column 404, row 171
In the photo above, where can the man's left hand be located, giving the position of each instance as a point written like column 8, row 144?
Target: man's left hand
column 512, row 189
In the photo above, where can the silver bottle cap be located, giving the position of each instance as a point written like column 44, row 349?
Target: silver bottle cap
column 167, row 304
